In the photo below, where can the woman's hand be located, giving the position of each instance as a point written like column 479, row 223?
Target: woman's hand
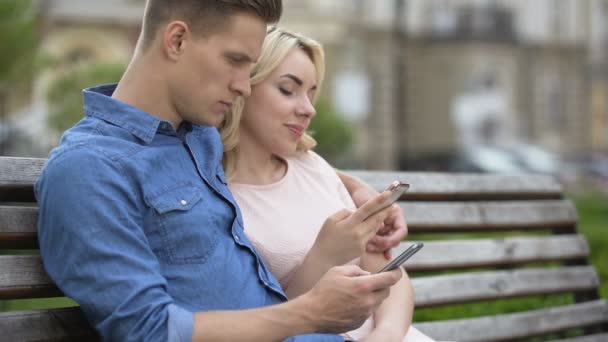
column 344, row 235
column 393, row 230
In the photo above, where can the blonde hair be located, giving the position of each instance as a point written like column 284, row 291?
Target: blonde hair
column 277, row 45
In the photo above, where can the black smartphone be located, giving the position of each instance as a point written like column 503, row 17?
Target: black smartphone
column 398, row 261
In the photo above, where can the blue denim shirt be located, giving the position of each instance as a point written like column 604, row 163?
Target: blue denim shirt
column 136, row 223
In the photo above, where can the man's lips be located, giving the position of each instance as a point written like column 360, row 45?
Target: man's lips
column 226, row 105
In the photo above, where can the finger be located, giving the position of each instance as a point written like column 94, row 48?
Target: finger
column 370, row 207
column 350, row 270
column 341, row 215
column 381, row 280
column 394, row 237
column 388, row 254
column 372, row 244
column 372, row 223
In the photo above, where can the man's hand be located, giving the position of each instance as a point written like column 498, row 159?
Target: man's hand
column 346, row 296
column 394, row 229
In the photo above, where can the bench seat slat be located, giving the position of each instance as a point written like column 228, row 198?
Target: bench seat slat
column 67, row 324
column 518, row 325
column 452, row 254
column 476, row 286
column 468, row 216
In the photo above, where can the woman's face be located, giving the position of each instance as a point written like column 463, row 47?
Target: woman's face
column 280, row 108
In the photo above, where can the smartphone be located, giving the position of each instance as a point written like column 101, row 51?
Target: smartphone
column 398, row 261
column 397, row 189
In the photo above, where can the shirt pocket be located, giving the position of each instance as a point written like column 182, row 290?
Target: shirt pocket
column 187, row 235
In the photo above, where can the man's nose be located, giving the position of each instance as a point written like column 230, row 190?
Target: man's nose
column 241, row 84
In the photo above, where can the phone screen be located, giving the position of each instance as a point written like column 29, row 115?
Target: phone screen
column 398, row 261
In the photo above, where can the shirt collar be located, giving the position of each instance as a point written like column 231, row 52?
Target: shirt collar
column 98, row 102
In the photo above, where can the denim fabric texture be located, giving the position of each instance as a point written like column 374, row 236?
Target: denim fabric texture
column 136, row 223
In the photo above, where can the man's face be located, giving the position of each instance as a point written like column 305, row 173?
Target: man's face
column 214, row 71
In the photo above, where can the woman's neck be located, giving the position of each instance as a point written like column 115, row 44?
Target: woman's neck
column 257, row 166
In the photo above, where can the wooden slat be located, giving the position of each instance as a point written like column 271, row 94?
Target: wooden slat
column 20, row 171
column 588, row 338
column 425, row 185
column 518, row 325
column 466, row 186
column 440, row 255
column 18, row 227
column 462, row 288
column 23, row 276
column 17, row 175
column 473, row 216
column 18, row 223
column 46, row 325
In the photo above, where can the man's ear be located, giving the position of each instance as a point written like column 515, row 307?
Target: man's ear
column 175, row 36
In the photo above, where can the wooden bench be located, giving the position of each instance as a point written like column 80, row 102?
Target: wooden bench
column 534, row 250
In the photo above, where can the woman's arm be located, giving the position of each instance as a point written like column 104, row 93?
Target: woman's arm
column 394, row 316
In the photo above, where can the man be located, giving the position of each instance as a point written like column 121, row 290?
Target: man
column 136, row 222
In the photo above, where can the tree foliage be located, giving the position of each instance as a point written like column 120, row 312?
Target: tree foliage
column 19, row 43
column 332, row 132
column 65, row 92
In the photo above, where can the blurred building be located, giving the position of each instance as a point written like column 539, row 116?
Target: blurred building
column 420, row 61
column 406, row 72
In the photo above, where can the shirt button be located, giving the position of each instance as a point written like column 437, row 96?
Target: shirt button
column 183, row 202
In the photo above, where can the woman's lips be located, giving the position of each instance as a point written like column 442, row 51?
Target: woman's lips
column 298, row 130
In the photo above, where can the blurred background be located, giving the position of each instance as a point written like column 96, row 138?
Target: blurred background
column 504, row 86
column 445, row 85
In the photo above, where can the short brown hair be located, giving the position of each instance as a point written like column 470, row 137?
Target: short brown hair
column 203, row 16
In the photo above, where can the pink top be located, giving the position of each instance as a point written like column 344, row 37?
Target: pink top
column 282, row 219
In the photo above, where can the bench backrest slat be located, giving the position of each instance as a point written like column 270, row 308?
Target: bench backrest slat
column 23, row 276
column 519, row 325
column 456, row 254
column 469, row 287
column 67, row 324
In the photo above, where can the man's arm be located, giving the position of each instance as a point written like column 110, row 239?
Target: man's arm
column 394, row 229
column 341, row 301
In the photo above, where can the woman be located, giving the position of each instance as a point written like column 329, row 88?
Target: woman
column 287, row 192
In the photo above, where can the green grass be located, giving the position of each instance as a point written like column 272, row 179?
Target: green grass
column 593, row 223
